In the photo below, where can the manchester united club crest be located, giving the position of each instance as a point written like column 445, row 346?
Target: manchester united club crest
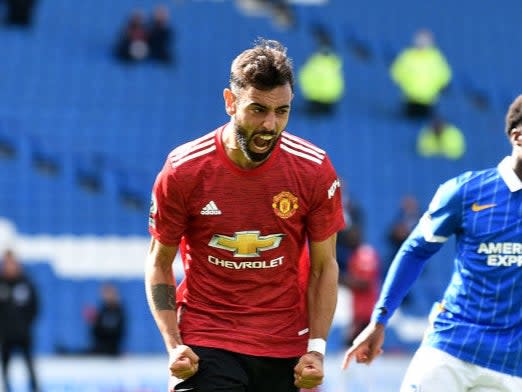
column 285, row 205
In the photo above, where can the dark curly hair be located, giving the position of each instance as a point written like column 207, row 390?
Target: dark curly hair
column 514, row 115
column 265, row 66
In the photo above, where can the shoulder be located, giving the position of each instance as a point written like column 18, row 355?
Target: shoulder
column 302, row 150
column 466, row 178
column 184, row 162
column 197, row 149
column 406, row 54
column 455, row 188
column 471, row 178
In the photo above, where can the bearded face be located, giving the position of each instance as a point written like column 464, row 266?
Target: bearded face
column 259, row 119
column 257, row 145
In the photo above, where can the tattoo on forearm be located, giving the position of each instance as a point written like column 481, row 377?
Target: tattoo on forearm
column 164, row 296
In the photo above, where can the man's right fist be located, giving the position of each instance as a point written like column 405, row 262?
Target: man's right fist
column 183, row 362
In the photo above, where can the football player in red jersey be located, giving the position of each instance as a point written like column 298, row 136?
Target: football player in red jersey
column 254, row 212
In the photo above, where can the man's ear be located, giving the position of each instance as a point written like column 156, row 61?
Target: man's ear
column 230, row 101
column 515, row 136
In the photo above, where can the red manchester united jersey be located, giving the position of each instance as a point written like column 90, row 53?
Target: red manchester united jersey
column 243, row 238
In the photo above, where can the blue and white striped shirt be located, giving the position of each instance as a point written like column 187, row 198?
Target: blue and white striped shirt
column 480, row 317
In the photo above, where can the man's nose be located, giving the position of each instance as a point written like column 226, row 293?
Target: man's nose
column 269, row 121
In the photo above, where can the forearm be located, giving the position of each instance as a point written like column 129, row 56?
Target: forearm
column 322, row 299
column 160, row 289
column 404, row 271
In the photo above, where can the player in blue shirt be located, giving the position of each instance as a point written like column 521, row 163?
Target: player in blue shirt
column 474, row 342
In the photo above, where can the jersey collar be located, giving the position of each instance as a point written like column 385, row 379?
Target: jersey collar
column 508, row 175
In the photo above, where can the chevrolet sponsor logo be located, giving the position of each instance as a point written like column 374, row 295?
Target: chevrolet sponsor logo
column 246, row 243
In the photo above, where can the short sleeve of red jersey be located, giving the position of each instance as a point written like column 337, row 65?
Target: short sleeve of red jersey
column 167, row 217
column 326, row 215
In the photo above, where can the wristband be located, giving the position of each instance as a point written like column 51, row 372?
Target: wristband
column 317, row 345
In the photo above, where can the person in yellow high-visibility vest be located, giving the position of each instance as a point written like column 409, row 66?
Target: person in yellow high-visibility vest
column 441, row 138
column 321, row 80
column 421, row 72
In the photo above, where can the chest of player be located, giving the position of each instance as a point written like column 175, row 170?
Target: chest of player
column 266, row 202
column 494, row 215
column 492, row 230
column 248, row 219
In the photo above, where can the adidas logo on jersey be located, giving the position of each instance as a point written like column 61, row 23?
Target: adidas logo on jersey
column 211, row 209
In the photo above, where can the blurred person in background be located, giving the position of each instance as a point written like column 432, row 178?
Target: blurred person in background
column 18, row 311
column 254, row 211
column 282, row 13
column 402, row 225
column 108, row 322
column 353, row 216
column 421, row 72
column 279, row 11
column 20, row 12
column 132, row 42
column 474, row 341
column 363, row 278
column 160, row 35
column 321, row 78
column 441, row 139
column 107, row 325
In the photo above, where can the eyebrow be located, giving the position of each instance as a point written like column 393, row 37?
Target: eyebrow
column 266, row 107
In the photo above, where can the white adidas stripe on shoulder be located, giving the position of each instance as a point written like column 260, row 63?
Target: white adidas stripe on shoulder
column 193, row 149
column 188, row 157
column 193, row 144
column 303, row 142
column 302, row 147
column 301, row 154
